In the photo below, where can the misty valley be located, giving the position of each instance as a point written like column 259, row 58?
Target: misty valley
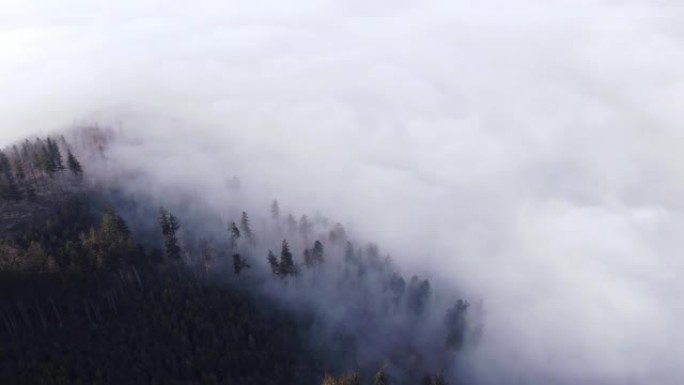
column 104, row 284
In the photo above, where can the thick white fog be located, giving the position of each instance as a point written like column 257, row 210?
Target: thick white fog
column 528, row 151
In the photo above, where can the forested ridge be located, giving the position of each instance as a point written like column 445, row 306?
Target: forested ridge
column 86, row 298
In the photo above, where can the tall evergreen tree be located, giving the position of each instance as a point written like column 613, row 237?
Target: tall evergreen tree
column 9, row 189
column 74, row 165
column 273, row 263
column 317, row 253
column 239, row 264
column 55, row 155
column 245, row 227
column 169, row 226
column 287, row 265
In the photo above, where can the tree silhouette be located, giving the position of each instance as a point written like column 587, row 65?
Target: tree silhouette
column 286, row 266
column 74, row 165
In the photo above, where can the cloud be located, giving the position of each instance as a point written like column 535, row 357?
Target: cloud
column 528, row 150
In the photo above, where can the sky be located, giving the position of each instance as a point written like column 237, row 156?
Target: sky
column 528, row 151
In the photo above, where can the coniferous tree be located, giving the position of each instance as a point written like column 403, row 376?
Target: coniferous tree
column 245, row 227
column 314, row 256
column 286, row 266
column 456, row 324
column 317, row 253
column 55, row 155
column 169, row 225
column 239, row 264
column 308, row 261
column 9, row 189
column 114, row 246
column 27, row 155
column 234, row 235
column 74, row 165
column 273, row 263
column 418, row 295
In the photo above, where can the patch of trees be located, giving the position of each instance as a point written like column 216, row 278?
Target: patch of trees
column 42, row 166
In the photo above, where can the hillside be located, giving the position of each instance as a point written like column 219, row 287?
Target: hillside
column 88, row 298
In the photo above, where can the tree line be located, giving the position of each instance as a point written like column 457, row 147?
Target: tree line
column 37, row 166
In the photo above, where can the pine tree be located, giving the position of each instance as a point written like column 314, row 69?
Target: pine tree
column 317, row 253
column 234, row 235
column 113, row 241
column 273, row 263
column 207, row 254
column 245, row 227
column 287, row 265
column 55, row 155
column 169, row 226
column 9, row 189
column 239, row 264
column 74, row 165
column 456, row 324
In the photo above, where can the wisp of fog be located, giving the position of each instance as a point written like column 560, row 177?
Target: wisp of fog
column 527, row 152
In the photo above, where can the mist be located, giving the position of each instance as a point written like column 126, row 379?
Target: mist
column 525, row 152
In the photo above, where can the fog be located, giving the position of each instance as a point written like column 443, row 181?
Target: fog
column 527, row 152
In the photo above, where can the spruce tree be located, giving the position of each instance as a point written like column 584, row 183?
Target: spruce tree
column 169, row 226
column 9, row 189
column 74, row 165
column 317, row 253
column 245, row 227
column 273, row 263
column 239, row 264
column 234, row 235
column 287, row 265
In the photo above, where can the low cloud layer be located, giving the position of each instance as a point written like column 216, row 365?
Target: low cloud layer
column 528, row 151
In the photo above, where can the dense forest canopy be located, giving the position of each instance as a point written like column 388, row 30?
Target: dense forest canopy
column 175, row 296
